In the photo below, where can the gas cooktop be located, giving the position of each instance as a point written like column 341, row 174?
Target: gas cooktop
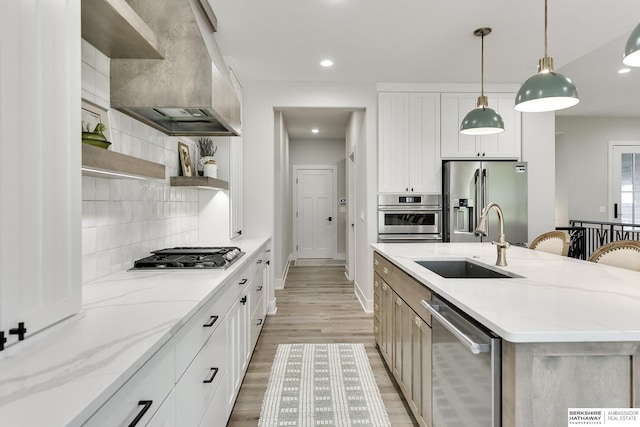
column 190, row 258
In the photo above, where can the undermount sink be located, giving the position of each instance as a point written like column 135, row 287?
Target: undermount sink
column 464, row 269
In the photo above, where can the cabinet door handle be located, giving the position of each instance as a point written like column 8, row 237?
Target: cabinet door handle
column 375, row 262
column 19, row 331
column 3, row 340
column 399, row 301
column 384, row 287
column 418, row 321
column 242, row 282
column 243, row 300
column 146, row 404
column 375, row 307
column 376, row 284
column 385, row 270
column 259, row 261
column 212, row 321
column 259, row 288
column 259, row 322
column 214, row 372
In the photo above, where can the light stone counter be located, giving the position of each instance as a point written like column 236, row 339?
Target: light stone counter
column 62, row 375
column 558, row 299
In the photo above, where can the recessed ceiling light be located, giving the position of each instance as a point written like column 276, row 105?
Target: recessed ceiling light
column 326, row 63
column 624, row 70
column 315, row 130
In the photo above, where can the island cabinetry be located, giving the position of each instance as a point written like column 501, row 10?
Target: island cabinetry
column 409, row 142
column 402, row 330
column 504, row 145
column 541, row 381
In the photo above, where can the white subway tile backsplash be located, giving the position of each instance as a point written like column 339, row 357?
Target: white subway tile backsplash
column 123, row 219
column 102, row 189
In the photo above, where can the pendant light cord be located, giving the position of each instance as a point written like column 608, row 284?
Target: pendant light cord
column 482, row 67
column 546, row 35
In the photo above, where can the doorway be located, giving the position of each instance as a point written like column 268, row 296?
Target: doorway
column 624, row 182
column 315, row 211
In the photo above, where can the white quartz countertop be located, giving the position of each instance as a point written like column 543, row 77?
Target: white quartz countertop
column 558, row 299
column 62, row 375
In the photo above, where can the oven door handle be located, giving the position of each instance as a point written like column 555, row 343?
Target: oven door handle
column 434, row 309
column 409, row 208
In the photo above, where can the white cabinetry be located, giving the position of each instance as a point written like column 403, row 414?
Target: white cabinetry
column 235, row 187
column 237, row 334
column 142, row 395
column 409, row 142
column 40, row 206
column 454, row 145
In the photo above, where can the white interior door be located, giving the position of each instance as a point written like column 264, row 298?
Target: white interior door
column 315, row 212
column 624, row 182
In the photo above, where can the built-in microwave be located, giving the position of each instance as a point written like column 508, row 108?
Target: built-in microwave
column 409, row 217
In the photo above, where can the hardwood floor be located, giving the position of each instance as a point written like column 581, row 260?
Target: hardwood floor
column 317, row 305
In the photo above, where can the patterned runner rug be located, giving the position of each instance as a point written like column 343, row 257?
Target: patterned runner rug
column 322, row 385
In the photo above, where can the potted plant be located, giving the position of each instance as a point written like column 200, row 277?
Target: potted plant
column 207, row 160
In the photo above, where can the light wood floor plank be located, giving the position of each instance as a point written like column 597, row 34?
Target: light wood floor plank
column 317, row 305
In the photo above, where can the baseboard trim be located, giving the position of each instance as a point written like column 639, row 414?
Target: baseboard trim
column 279, row 283
column 367, row 305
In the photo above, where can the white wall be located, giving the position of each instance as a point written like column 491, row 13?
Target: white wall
column 262, row 216
column 124, row 219
column 323, row 152
column 538, row 149
column 582, row 153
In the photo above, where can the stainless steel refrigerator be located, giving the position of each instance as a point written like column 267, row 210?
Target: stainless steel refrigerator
column 469, row 185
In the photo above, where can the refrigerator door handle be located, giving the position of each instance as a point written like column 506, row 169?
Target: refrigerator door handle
column 477, row 203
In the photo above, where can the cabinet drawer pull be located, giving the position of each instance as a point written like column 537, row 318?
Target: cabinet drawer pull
column 242, row 282
column 385, row 270
column 212, row 321
column 384, row 287
column 375, row 262
column 417, row 320
column 259, row 288
column 259, row 261
column 376, row 284
column 399, row 301
column 375, row 329
column 375, row 307
column 214, row 372
column 146, row 404
column 243, row 300
column 259, row 322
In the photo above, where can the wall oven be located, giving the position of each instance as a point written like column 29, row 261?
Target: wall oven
column 409, row 218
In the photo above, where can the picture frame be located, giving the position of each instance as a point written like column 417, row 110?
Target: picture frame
column 93, row 114
column 185, row 159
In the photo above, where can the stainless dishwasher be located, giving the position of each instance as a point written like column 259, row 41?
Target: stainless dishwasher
column 466, row 370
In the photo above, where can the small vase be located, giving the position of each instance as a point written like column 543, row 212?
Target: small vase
column 209, row 166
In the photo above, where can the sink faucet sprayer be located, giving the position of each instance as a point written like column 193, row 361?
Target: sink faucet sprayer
column 501, row 244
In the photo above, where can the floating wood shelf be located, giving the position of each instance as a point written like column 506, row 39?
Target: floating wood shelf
column 116, row 30
column 203, row 182
column 103, row 163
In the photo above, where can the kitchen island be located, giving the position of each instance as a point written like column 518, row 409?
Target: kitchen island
column 169, row 345
column 570, row 329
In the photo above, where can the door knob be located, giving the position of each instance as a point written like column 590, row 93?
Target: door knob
column 329, row 219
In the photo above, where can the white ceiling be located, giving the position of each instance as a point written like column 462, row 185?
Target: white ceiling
column 432, row 41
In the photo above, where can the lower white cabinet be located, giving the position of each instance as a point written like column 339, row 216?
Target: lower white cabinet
column 201, row 380
column 196, row 376
column 142, row 395
column 166, row 414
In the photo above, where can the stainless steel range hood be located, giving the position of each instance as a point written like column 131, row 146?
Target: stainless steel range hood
column 190, row 91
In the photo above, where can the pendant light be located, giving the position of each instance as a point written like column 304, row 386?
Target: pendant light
column 483, row 120
column 632, row 50
column 547, row 90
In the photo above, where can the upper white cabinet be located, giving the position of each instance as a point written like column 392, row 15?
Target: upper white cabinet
column 40, row 157
column 409, row 142
column 504, row 145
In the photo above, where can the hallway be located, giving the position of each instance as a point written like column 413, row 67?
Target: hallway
column 317, row 305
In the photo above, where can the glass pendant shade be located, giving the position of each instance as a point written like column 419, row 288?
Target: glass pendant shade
column 632, row 50
column 546, row 91
column 482, row 121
